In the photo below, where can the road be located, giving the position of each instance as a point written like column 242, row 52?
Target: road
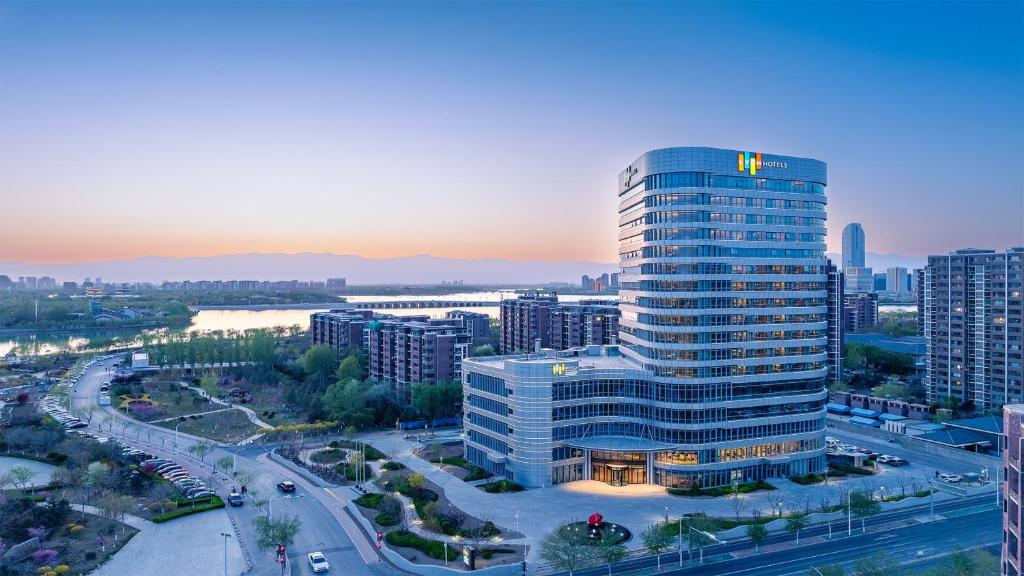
column 917, row 547
column 878, row 526
column 921, row 464
column 320, row 529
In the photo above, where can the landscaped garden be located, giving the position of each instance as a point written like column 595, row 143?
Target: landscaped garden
column 224, row 426
column 449, row 456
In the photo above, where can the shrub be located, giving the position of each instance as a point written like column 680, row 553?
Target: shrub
column 62, row 569
column 501, row 487
column 808, row 479
column 43, row 557
column 486, row 553
column 90, row 555
column 77, row 529
column 214, row 503
column 393, row 466
column 476, row 473
column 43, row 569
column 433, row 548
column 369, row 500
column 385, row 519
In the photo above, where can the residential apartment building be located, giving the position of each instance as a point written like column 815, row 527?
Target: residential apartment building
column 539, row 317
column 860, row 311
column 721, row 364
column 407, row 350
column 341, row 329
column 973, row 312
column 477, row 324
column 524, row 320
column 836, row 341
column 584, row 323
column 919, row 291
column 1013, row 428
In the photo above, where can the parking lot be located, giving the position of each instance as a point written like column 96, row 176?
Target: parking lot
column 921, row 466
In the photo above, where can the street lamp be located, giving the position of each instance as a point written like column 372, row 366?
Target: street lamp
column 931, row 499
column 176, row 437
column 517, row 520
column 849, row 512
column 226, row 536
column 666, row 515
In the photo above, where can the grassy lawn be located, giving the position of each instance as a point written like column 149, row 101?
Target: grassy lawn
column 229, row 426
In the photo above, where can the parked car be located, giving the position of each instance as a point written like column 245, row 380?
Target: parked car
column 951, row 478
column 885, row 459
column 318, row 562
column 235, row 499
column 286, row 486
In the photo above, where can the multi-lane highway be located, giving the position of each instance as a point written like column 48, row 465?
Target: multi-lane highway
column 321, row 529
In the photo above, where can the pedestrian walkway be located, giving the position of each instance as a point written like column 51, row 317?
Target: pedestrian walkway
column 157, row 550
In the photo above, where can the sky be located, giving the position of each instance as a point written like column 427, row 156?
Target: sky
column 488, row 129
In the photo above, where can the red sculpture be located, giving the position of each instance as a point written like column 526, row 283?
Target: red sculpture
column 595, row 520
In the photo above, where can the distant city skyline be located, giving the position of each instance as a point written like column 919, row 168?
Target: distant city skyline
column 488, row 130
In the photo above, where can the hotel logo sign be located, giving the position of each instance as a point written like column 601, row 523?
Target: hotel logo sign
column 627, row 176
column 558, row 369
column 751, row 162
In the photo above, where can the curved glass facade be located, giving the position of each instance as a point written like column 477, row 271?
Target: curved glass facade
column 721, row 367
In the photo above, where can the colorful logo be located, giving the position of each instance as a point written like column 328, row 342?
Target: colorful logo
column 748, row 162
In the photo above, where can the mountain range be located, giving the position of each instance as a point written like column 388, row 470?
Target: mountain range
column 356, row 269
column 310, row 266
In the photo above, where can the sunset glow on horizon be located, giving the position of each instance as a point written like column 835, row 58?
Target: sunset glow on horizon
column 490, row 130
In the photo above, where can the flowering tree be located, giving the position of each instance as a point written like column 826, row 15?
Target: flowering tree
column 44, row 556
column 39, row 532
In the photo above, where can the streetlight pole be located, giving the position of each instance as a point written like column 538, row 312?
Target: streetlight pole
column 176, row 437
column 849, row 512
column 226, row 536
column 931, row 499
column 517, row 521
column 666, row 515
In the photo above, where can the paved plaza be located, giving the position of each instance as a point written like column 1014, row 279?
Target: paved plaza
column 536, row 512
column 187, row 545
column 43, row 472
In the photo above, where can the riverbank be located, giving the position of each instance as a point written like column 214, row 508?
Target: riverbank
column 180, row 323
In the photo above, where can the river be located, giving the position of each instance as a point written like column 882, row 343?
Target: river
column 241, row 320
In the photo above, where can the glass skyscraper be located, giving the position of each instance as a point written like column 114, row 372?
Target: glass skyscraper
column 721, row 366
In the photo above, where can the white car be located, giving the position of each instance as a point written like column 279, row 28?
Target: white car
column 317, row 562
column 951, row 478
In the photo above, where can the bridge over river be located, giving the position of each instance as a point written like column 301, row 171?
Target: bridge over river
column 376, row 305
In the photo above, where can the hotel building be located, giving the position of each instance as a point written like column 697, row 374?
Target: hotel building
column 973, row 311
column 720, row 369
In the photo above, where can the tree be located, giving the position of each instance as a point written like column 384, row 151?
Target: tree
column 484, row 350
column 656, row 539
column 862, row 505
column 960, row 563
column 830, row 570
column 345, row 402
column 567, row 548
column 224, row 463
column 757, row 534
column 737, row 504
column 878, row 565
column 200, row 450
column 415, row 480
column 609, row 549
column 319, row 362
column 794, row 524
column 776, row 501
column 245, row 477
column 350, row 369
column 20, row 476
column 892, row 387
column 437, row 400
column 273, row 533
column 854, row 357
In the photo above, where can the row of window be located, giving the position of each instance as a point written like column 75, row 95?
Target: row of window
column 677, row 436
column 492, row 406
column 674, row 392
column 726, row 319
column 486, row 383
column 722, row 337
column 701, row 199
column 715, row 251
column 717, row 354
column 489, row 423
column 726, row 371
column 660, row 234
column 630, row 409
column 723, row 286
column 728, row 268
column 706, row 180
column 725, row 302
column 487, row 441
column 681, row 216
